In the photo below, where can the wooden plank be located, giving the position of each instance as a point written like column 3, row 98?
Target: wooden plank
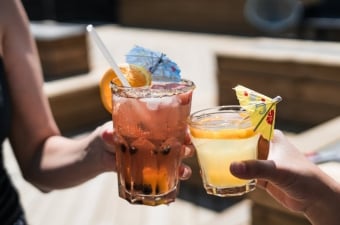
column 303, row 103
column 266, row 216
column 62, row 49
column 309, row 89
column 200, row 15
column 76, row 104
column 64, row 57
column 318, row 137
column 284, row 66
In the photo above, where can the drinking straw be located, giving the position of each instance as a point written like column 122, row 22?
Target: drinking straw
column 107, row 55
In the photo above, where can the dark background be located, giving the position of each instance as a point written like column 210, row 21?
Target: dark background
column 72, row 10
column 106, row 10
column 311, row 26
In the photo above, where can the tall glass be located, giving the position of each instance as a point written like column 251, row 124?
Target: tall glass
column 151, row 124
column 222, row 135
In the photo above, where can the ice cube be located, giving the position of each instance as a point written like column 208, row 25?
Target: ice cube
column 156, row 103
column 169, row 101
column 152, row 103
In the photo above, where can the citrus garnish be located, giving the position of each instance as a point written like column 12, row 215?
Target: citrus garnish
column 222, row 133
column 136, row 76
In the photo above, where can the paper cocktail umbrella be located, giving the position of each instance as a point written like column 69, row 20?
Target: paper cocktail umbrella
column 262, row 109
column 158, row 64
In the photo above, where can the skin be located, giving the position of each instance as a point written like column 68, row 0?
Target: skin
column 294, row 181
column 46, row 158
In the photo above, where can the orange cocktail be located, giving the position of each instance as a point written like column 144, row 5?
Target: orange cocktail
column 222, row 135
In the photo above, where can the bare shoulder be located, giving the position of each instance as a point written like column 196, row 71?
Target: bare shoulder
column 10, row 11
column 7, row 7
column 14, row 25
column 11, row 14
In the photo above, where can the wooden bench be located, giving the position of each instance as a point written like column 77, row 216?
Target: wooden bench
column 76, row 104
column 222, row 16
column 62, row 49
column 305, row 74
column 71, row 87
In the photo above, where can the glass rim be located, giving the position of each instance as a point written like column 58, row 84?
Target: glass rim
column 221, row 108
column 146, row 92
column 195, row 117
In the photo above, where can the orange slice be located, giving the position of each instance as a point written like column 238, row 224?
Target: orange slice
column 136, row 76
column 222, row 134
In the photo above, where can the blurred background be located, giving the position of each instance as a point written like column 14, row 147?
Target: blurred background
column 303, row 19
column 278, row 47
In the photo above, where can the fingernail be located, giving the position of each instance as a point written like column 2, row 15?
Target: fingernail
column 238, row 168
column 185, row 173
column 187, row 151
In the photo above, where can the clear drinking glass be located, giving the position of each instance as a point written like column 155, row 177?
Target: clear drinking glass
column 151, row 124
column 222, row 135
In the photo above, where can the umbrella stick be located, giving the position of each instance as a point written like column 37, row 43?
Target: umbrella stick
column 276, row 100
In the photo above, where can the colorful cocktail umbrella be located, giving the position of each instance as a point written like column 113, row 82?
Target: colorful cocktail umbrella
column 160, row 66
column 262, row 109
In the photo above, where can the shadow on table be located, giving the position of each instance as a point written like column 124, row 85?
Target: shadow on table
column 198, row 196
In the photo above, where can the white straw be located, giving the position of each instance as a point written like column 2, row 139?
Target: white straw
column 107, row 55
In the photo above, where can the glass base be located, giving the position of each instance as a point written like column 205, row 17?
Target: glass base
column 230, row 191
column 151, row 200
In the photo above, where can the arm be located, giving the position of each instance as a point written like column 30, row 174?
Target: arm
column 46, row 159
column 294, row 181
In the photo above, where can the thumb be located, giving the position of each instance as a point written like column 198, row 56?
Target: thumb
column 263, row 169
column 107, row 133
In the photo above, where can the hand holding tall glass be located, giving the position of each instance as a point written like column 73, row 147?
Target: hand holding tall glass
column 150, row 122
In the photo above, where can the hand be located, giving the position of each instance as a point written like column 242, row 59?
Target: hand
column 109, row 155
column 188, row 150
column 289, row 177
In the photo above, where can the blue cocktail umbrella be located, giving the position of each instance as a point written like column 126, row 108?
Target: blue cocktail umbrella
column 159, row 65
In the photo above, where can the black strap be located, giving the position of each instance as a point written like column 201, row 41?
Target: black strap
column 11, row 212
column 4, row 105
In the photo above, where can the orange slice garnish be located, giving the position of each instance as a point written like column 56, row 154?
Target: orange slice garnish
column 222, row 133
column 136, row 76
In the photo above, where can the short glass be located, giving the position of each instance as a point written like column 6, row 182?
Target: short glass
column 222, row 135
column 150, row 125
